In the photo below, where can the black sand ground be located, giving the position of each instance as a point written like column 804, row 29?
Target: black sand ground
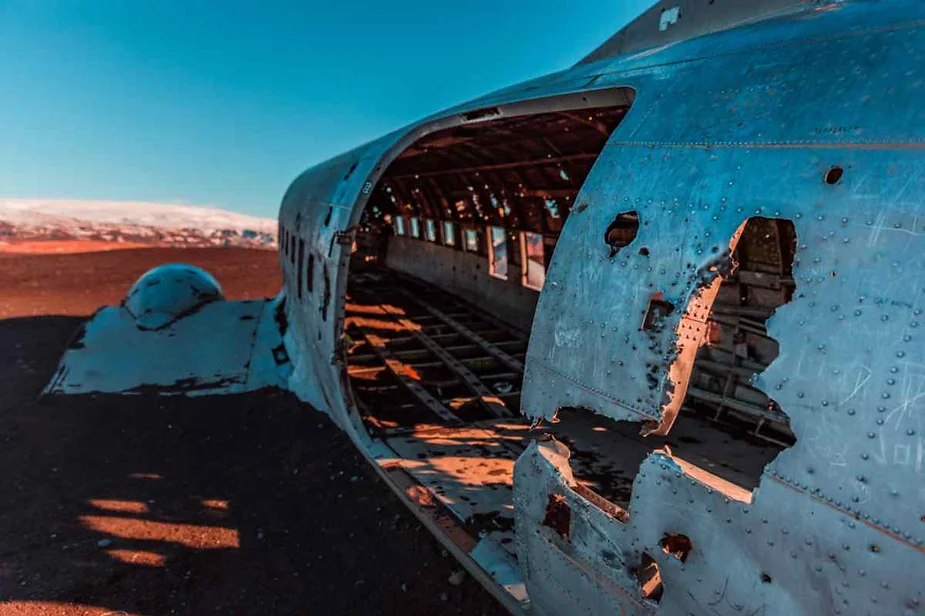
column 251, row 504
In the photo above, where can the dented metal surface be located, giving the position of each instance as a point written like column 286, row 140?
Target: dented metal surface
column 807, row 114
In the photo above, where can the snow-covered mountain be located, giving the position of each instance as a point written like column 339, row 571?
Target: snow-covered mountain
column 131, row 221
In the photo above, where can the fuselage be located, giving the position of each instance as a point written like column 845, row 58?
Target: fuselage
column 813, row 120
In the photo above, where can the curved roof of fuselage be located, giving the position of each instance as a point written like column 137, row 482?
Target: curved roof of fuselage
column 839, row 19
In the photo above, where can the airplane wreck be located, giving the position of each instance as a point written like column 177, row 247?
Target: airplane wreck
column 641, row 336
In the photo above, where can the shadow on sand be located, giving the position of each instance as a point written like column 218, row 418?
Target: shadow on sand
column 250, row 504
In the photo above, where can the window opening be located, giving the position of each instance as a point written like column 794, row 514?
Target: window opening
column 472, row 241
column 301, row 264
column 449, row 233
column 533, row 260
column 497, row 266
column 310, row 275
column 430, row 229
column 415, row 227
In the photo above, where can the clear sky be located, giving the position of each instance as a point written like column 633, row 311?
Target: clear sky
column 223, row 103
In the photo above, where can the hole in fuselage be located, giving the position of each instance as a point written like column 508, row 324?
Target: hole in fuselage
column 726, row 430
column 622, row 231
column 676, row 545
column 737, row 344
column 724, row 426
column 558, row 515
column 650, row 579
column 833, row 175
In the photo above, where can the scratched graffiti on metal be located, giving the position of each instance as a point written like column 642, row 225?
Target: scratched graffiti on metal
column 715, row 403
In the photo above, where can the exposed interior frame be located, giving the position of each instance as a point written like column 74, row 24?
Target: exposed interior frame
column 459, row 368
column 471, row 238
column 498, row 177
column 730, row 316
column 518, row 167
column 417, row 187
column 469, row 219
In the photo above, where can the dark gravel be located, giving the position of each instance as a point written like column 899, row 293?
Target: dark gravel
column 252, row 504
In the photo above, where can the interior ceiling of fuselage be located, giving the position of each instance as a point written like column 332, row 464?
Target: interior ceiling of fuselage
column 521, row 172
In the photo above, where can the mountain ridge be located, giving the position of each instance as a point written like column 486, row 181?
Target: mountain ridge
column 134, row 222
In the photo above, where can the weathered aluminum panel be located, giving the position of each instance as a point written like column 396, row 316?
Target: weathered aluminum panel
column 754, row 136
column 857, row 240
column 778, row 555
column 222, row 348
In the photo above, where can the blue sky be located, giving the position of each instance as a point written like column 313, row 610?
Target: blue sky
column 221, row 103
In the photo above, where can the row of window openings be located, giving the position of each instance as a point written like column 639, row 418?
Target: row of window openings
column 532, row 253
column 289, row 243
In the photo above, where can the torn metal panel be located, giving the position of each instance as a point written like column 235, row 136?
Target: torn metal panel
column 764, row 557
column 836, row 324
column 209, row 351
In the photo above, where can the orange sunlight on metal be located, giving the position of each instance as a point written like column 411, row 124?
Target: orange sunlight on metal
column 354, row 308
column 374, row 324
